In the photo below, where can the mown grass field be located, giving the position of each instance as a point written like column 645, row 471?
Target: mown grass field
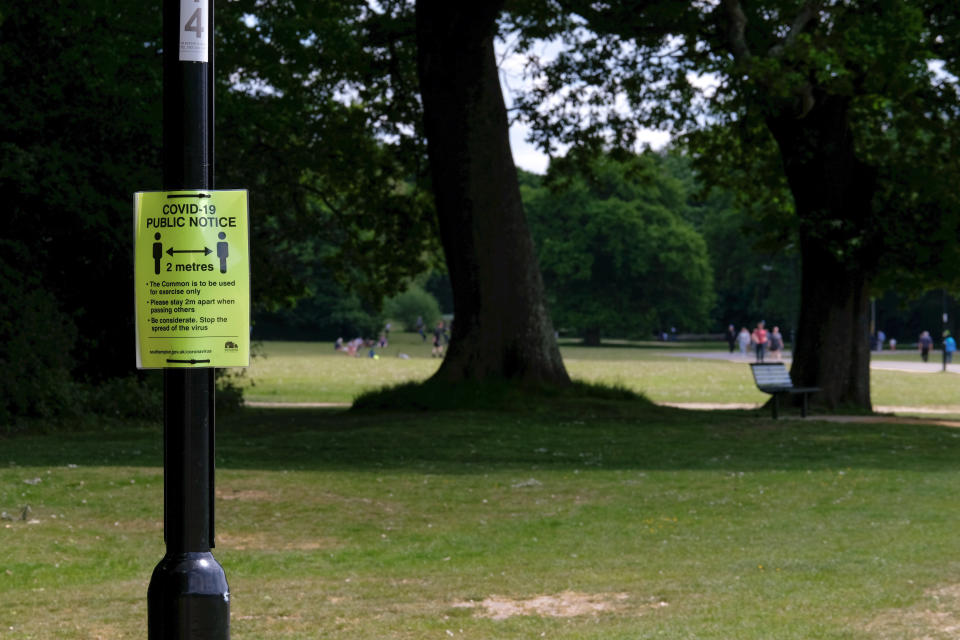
column 314, row 372
column 578, row 518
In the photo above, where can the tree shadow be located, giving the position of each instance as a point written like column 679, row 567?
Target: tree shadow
column 583, row 436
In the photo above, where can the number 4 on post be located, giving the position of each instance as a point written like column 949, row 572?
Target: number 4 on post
column 195, row 23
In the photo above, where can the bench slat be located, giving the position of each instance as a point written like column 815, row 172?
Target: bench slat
column 773, row 378
column 771, row 375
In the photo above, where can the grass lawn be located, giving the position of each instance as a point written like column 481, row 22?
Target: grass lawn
column 583, row 520
column 578, row 519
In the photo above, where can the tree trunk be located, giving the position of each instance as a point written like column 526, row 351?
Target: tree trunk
column 833, row 341
column 833, row 193
column 502, row 328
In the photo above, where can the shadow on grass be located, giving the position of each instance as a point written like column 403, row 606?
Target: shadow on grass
column 500, row 395
column 561, row 433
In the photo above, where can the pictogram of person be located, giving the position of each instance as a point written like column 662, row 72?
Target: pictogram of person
column 223, row 250
column 157, row 253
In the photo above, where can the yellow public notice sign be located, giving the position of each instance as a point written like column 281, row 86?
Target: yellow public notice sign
column 191, row 278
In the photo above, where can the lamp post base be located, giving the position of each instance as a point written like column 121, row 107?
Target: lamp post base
column 188, row 599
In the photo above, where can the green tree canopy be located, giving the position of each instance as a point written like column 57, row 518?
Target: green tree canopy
column 317, row 114
column 80, row 132
column 411, row 307
column 617, row 256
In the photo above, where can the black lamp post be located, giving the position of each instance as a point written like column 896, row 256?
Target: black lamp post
column 188, row 597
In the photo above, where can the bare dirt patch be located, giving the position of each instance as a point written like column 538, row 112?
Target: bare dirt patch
column 937, row 617
column 268, row 618
column 271, row 542
column 567, row 604
column 243, row 494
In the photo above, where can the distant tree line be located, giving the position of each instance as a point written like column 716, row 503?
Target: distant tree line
column 633, row 246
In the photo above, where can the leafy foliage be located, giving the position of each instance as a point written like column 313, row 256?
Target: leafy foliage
column 617, row 257
column 754, row 259
column 721, row 74
column 36, row 341
column 326, row 309
column 80, row 132
column 413, row 304
column 321, row 120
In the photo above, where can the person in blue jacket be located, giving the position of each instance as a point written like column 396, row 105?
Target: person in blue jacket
column 949, row 346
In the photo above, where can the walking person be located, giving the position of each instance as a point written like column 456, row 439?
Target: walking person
column 420, row 328
column 731, row 337
column 759, row 339
column 743, row 339
column 924, row 345
column 776, row 344
column 949, row 346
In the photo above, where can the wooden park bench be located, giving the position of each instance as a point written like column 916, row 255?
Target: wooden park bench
column 773, row 378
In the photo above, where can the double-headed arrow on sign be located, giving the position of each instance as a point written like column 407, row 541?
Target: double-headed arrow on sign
column 205, row 251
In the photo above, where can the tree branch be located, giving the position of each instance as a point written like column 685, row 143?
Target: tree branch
column 738, row 24
column 337, row 212
column 807, row 15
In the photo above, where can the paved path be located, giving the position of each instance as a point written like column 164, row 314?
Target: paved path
column 933, row 412
column 296, row 405
column 877, row 363
column 935, row 365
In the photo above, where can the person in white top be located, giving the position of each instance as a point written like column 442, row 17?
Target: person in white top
column 743, row 340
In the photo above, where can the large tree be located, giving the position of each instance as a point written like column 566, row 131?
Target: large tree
column 502, row 327
column 368, row 87
column 845, row 103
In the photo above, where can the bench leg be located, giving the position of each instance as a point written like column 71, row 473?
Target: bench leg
column 776, row 401
column 803, row 410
